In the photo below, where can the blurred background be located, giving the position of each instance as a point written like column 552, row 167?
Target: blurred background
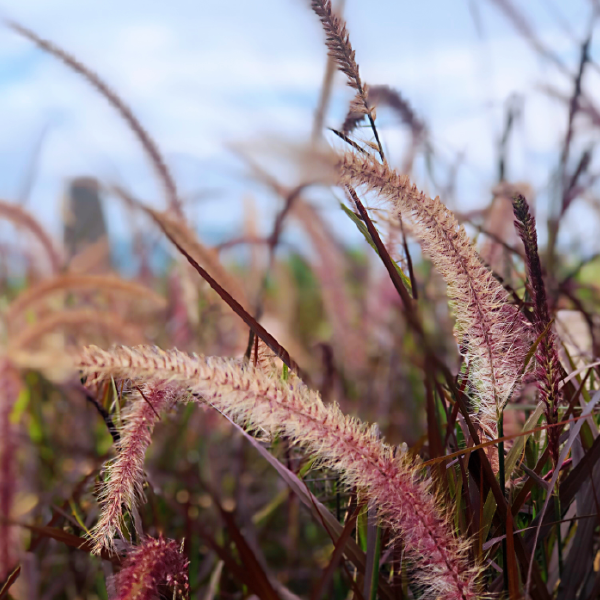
column 491, row 97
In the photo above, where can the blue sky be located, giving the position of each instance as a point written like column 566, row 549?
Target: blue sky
column 205, row 75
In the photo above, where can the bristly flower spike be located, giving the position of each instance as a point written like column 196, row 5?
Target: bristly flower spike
column 491, row 331
column 407, row 502
column 341, row 52
column 151, row 566
column 548, row 373
column 123, row 487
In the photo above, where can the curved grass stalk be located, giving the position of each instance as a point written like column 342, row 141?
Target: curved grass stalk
column 148, row 144
column 95, row 319
column 108, row 283
column 21, row 218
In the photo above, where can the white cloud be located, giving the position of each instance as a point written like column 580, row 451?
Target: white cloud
column 200, row 74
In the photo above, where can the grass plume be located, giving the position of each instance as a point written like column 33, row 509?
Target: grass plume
column 548, row 373
column 123, row 486
column 342, row 53
column 407, row 501
column 150, row 567
column 490, row 329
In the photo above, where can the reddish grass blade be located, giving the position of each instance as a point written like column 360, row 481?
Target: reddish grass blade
column 563, row 455
column 511, row 566
column 253, row 568
column 9, row 581
column 569, row 487
column 73, row 541
column 539, row 591
column 336, row 556
column 237, row 308
column 319, row 510
column 382, row 251
column 233, row 567
column 433, row 430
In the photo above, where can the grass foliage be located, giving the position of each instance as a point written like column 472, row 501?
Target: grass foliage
column 205, row 432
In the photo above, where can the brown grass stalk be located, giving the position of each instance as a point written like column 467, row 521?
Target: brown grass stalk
column 22, row 219
column 75, row 283
column 102, row 322
column 179, row 232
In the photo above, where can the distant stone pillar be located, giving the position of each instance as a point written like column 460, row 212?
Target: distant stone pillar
column 85, row 234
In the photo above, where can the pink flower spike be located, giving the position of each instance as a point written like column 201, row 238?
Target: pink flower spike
column 125, row 473
column 149, row 567
column 9, row 391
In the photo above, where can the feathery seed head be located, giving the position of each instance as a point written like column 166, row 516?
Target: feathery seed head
column 154, row 564
column 123, row 487
column 548, row 372
column 406, row 501
column 338, row 42
column 489, row 329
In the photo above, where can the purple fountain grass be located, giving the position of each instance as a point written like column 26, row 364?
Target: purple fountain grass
column 9, row 391
column 548, row 373
column 491, row 330
column 487, row 325
column 151, row 566
column 338, row 43
column 406, row 500
column 125, row 473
